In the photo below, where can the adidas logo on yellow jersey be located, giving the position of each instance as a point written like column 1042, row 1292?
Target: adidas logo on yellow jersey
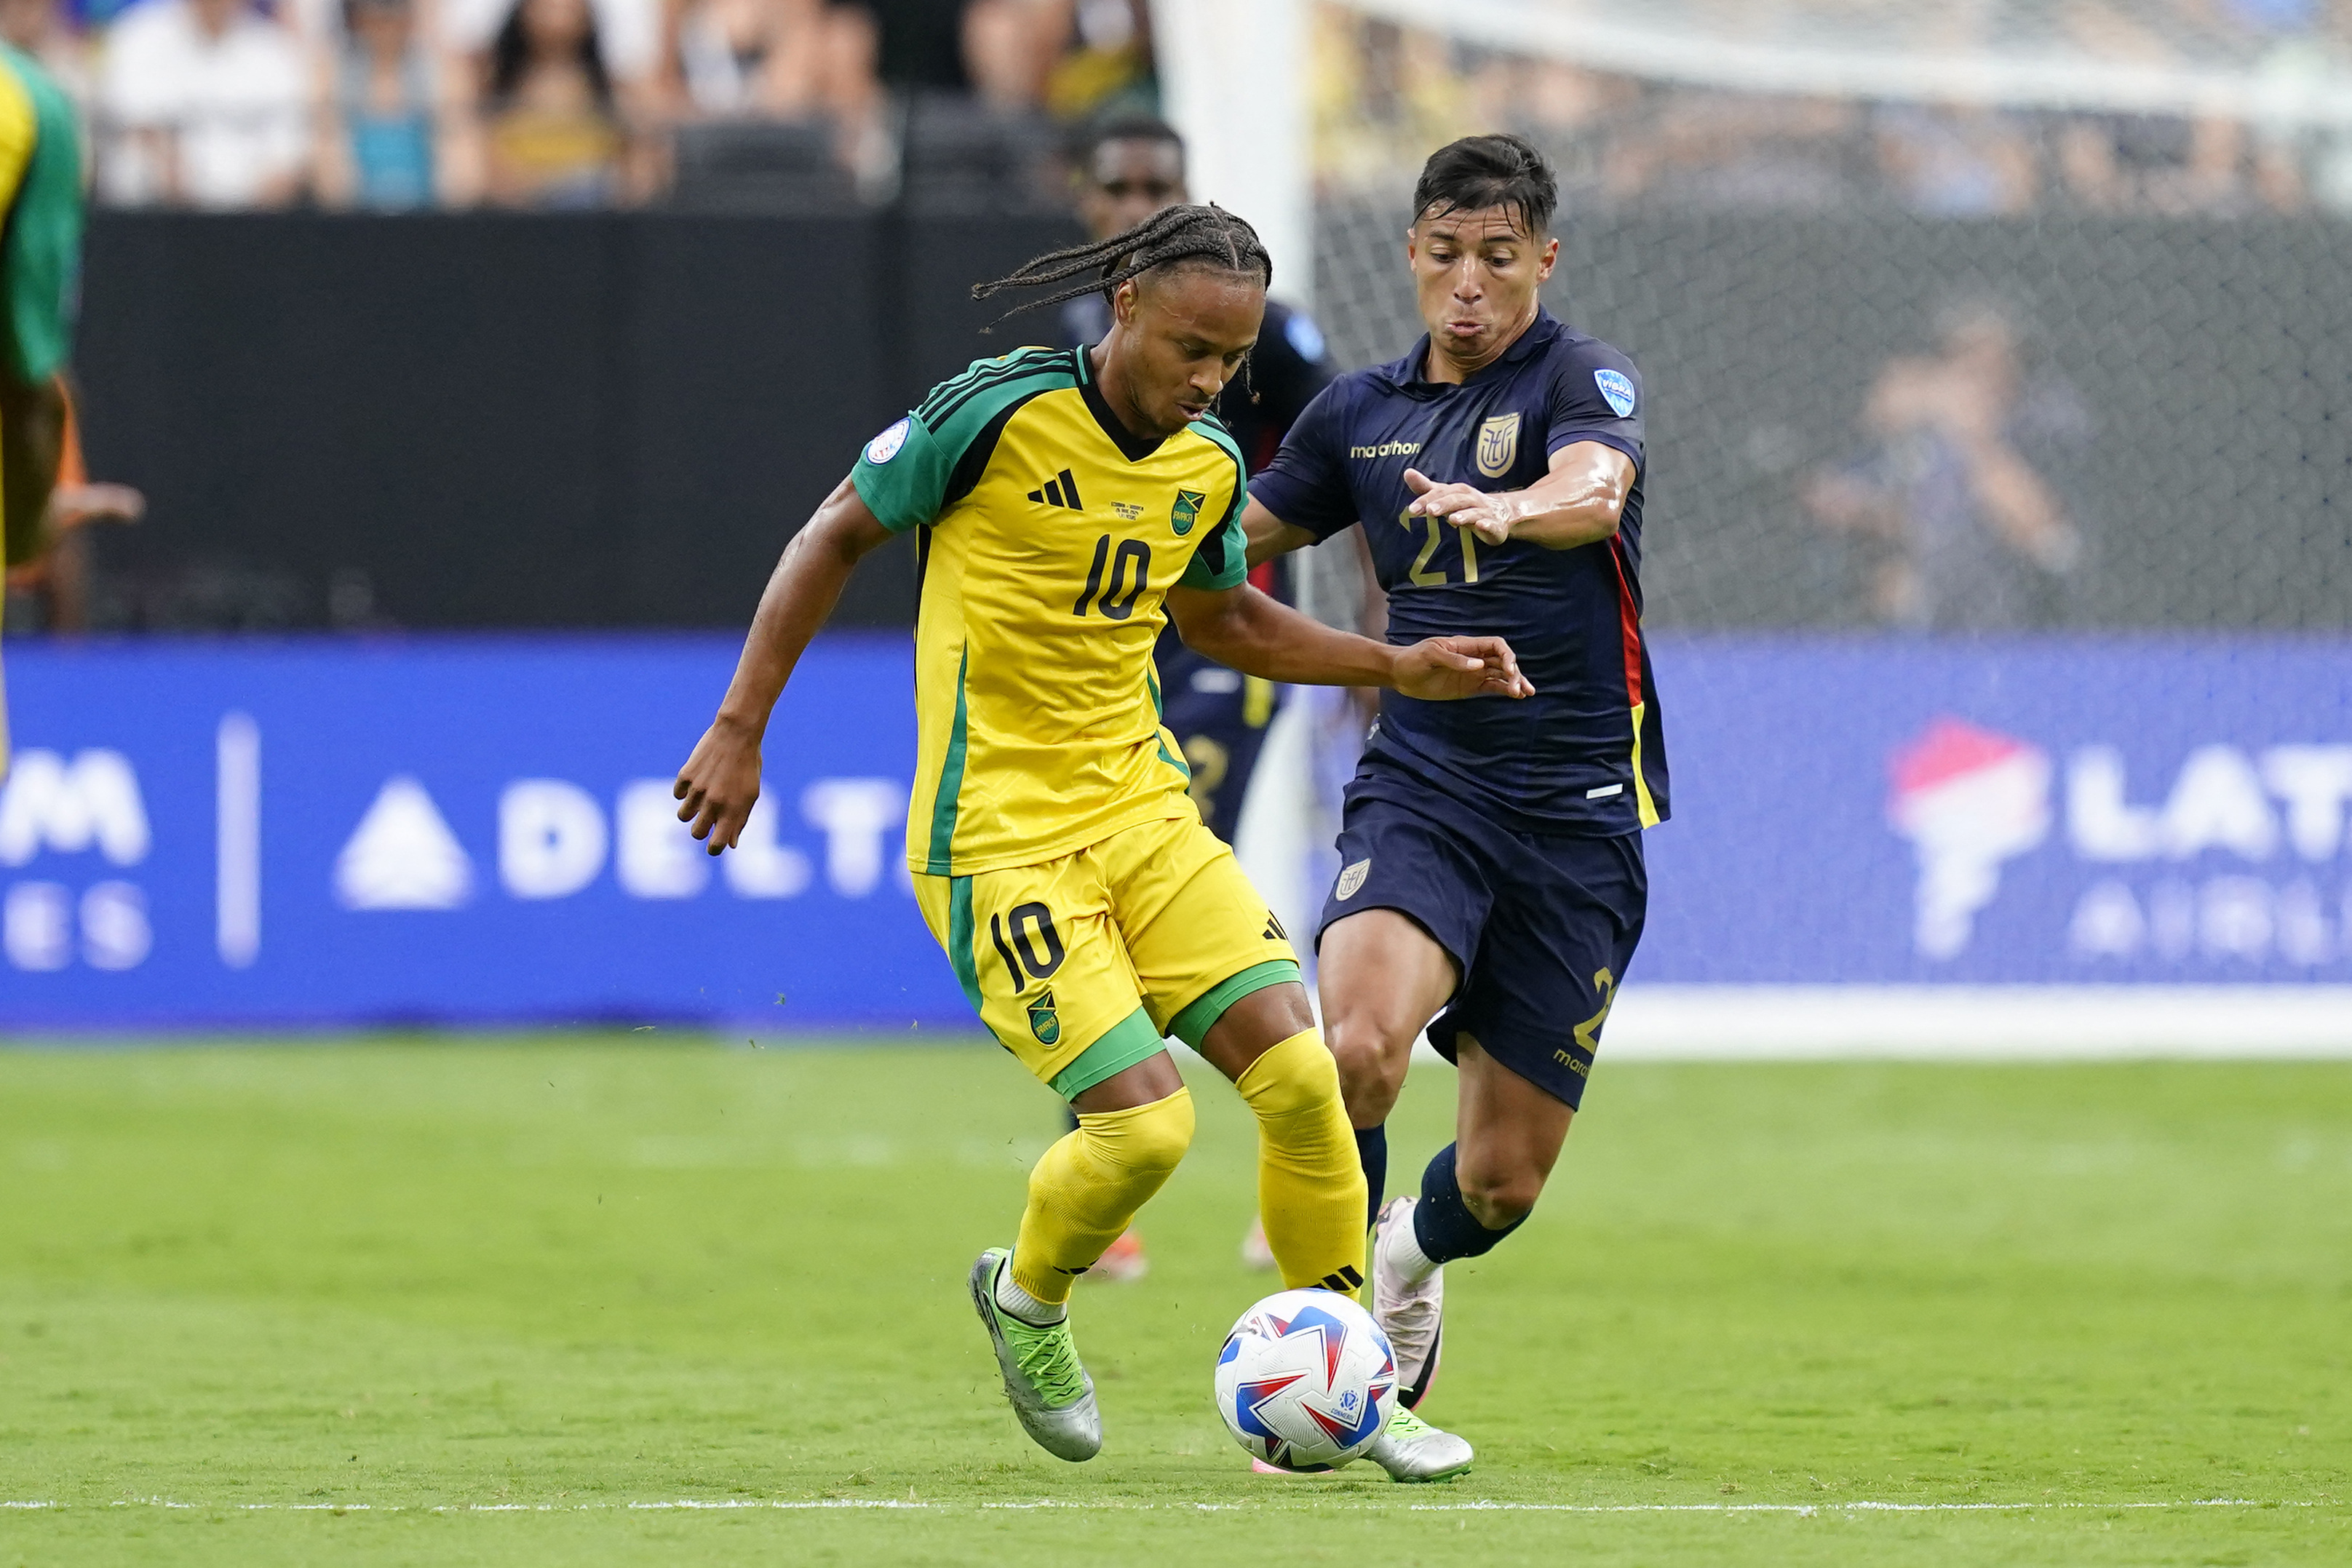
column 1062, row 490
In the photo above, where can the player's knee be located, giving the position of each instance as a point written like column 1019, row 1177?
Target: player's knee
column 1297, row 1075
column 1499, row 1199
column 1371, row 1074
column 1150, row 1139
column 1163, row 1135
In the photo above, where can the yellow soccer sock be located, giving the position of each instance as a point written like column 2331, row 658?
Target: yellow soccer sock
column 1088, row 1186
column 1310, row 1184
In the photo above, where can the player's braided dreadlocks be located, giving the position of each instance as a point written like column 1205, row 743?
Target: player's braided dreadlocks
column 1194, row 232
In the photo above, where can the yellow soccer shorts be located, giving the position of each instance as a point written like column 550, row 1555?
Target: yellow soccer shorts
column 1081, row 965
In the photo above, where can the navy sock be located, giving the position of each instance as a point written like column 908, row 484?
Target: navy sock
column 1442, row 1224
column 1372, row 1153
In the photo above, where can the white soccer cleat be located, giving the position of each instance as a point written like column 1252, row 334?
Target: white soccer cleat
column 1411, row 1449
column 1256, row 1253
column 1411, row 1314
column 1049, row 1389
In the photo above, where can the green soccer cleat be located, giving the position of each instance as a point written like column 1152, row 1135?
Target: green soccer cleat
column 1411, row 1449
column 1049, row 1390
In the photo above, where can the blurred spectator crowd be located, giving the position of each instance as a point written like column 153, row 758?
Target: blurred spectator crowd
column 1384, row 93
column 395, row 105
column 969, row 105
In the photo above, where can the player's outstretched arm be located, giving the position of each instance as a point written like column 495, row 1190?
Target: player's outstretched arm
column 1578, row 502
column 720, row 781
column 1269, row 536
column 1245, row 630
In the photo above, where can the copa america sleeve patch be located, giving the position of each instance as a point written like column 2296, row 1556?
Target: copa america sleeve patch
column 885, row 446
column 1612, row 384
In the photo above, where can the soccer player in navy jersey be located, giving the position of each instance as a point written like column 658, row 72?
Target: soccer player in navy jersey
column 1491, row 886
column 1132, row 168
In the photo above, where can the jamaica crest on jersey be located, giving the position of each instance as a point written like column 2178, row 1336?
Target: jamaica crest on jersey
column 1044, row 1021
column 1499, row 444
column 1186, row 511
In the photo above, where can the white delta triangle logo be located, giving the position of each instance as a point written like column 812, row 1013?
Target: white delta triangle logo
column 403, row 855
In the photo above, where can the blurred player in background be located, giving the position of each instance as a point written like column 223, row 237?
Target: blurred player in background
column 1964, row 531
column 40, row 259
column 1491, row 884
column 1069, row 501
column 1131, row 169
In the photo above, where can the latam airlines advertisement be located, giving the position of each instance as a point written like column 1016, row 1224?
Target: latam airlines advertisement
column 473, row 830
column 2077, row 812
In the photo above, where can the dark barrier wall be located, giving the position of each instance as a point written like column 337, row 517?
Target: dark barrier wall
column 617, row 420
column 489, row 421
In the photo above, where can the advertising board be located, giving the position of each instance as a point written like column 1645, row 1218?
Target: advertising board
column 476, row 830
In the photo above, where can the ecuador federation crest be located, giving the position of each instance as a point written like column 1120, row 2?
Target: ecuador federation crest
column 1187, row 510
column 1351, row 880
column 1499, row 444
column 1044, row 1021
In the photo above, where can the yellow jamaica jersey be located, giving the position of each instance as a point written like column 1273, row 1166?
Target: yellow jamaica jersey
column 1050, row 536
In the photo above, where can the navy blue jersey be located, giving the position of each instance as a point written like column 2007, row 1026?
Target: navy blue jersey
column 1584, row 755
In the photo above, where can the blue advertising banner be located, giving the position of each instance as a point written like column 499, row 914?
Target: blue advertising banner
column 2075, row 811
column 450, row 829
column 458, row 829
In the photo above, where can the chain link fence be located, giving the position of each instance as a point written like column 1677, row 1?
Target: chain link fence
column 2083, row 422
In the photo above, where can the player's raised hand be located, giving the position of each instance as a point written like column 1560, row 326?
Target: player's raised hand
column 1440, row 669
column 1463, row 505
column 720, row 784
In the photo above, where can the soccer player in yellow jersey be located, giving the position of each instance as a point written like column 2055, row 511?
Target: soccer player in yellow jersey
column 1070, row 502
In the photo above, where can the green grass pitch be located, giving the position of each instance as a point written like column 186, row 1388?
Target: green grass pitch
column 474, row 1302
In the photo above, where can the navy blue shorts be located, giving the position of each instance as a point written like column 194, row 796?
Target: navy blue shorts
column 1540, row 929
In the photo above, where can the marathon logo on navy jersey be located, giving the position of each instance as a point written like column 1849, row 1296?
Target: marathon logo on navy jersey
column 1387, row 449
column 1062, row 490
column 1499, row 444
column 1617, row 389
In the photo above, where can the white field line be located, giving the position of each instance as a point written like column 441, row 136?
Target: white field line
column 1819, row 1507
column 1980, row 1023
column 1807, row 1510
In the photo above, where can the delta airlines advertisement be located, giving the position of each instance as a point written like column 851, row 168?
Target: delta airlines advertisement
column 479, row 831
column 475, row 830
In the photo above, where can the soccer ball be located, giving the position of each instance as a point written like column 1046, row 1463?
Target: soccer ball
column 1305, row 1381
